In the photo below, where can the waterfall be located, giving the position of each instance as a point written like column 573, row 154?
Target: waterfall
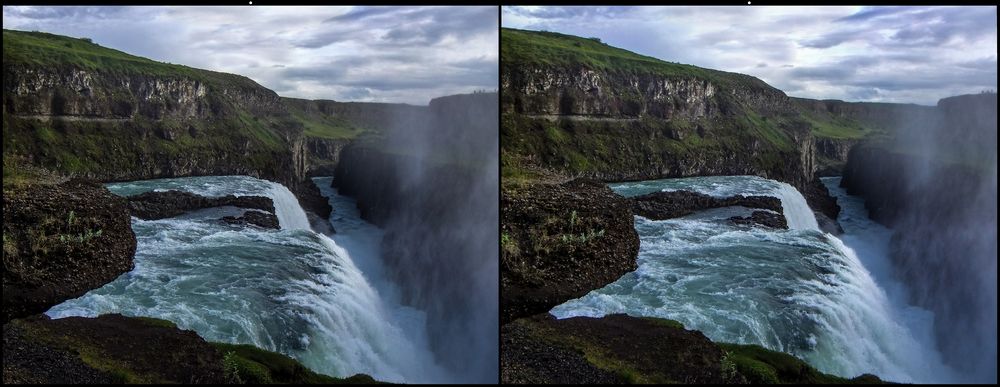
column 290, row 214
column 796, row 209
column 291, row 290
column 798, row 291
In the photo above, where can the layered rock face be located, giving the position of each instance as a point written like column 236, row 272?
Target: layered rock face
column 79, row 109
column 638, row 118
column 541, row 90
column 112, row 126
column 68, row 91
column 60, row 241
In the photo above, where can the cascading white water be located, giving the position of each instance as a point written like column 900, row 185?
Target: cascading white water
column 291, row 290
column 290, row 214
column 796, row 209
column 799, row 291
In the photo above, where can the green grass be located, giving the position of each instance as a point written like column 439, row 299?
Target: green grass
column 156, row 322
column 601, row 147
column 763, row 366
column 324, row 125
column 40, row 49
column 664, row 322
column 837, row 127
column 523, row 47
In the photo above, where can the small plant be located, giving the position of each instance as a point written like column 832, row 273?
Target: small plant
column 71, row 219
column 572, row 219
column 728, row 367
column 81, row 238
column 231, row 368
column 509, row 245
column 584, row 237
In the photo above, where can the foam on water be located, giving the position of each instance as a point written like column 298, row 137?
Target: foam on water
column 291, row 290
column 798, row 291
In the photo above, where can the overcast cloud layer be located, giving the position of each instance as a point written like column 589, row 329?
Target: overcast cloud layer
column 384, row 54
column 888, row 54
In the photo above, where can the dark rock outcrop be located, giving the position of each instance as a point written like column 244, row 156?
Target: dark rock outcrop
column 59, row 241
column 311, row 199
column 167, row 204
column 612, row 349
column 256, row 218
column 674, row 204
column 620, row 349
column 109, row 348
column 559, row 242
column 824, row 206
column 117, row 349
column 763, row 218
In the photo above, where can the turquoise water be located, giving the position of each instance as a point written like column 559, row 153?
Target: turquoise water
column 799, row 291
column 321, row 299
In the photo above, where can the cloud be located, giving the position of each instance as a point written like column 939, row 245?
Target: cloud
column 386, row 54
column 890, row 54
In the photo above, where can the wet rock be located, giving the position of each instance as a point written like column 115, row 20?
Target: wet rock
column 674, row 204
column 828, row 225
column 256, row 218
column 763, row 218
column 60, row 241
column 820, row 200
column 559, row 242
column 159, row 205
column 311, row 199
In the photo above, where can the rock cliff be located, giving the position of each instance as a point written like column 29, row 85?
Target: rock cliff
column 934, row 184
column 79, row 109
column 586, row 109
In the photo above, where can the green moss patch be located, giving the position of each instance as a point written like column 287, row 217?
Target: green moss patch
column 251, row 365
column 760, row 365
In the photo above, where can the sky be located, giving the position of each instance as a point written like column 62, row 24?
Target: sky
column 374, row 54
column 884, row 54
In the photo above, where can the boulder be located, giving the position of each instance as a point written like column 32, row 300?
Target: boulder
column 60, row 241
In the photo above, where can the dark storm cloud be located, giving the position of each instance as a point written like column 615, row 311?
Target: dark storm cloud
column 298, row 51
column 893, row 54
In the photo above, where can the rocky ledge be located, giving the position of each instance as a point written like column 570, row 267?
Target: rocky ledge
column 256, row 218
column 560, row 241
column 159, row 205
column 60, row 241
column 118, row 349
column 824, row 206
column 763, row 218
column 674, row 204
column 619, row 349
